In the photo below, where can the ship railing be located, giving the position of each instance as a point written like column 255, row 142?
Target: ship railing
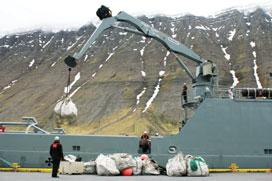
column 243, row 93
column 228, row 93
column 223, row 93
column 29, row 122
column 58, row 131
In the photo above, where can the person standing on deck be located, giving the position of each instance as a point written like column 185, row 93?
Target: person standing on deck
column 184, row 93
column 145, row 143
column 57, row 155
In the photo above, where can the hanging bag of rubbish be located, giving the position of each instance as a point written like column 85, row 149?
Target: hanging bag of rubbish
column 66, row 108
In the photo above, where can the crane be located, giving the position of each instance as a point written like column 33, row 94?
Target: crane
column 205, row 78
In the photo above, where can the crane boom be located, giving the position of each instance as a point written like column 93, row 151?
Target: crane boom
column 205, row 69
column 144, row 29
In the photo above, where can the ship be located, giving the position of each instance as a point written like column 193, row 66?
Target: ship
column 225, row 126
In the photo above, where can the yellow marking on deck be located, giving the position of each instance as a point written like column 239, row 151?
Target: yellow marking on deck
column 44, row 170
column 243, row 170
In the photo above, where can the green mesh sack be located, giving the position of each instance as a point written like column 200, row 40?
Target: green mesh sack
column 193, row 165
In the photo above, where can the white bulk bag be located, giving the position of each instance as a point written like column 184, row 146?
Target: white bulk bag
column 106, row 166
column 66, row 108
column 70, row 158
column 123, row 160
column 90, row 167
column 150, row 167
column 137, row 169
column 196, row 166
column 176, row 166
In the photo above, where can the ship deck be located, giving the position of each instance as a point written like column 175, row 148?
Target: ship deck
column 17, row 176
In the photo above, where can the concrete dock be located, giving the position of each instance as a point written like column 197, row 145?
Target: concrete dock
column 16, row 176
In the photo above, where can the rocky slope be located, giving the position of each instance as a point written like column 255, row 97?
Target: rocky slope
column 120, row 89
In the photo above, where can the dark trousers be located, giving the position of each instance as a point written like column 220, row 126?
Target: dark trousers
column 55, row 167
column 145, row 146
column 185, row 98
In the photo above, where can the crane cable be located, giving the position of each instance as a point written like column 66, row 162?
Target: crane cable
column 68, row 82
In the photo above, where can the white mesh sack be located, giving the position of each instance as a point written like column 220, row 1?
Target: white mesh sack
column 123, row 160
column 176, row 166
column 70, row 158
column 150, row 167
column 197, row 166
column 106, row 166
column 90, row 167
column 66, row 108
column 137, row 169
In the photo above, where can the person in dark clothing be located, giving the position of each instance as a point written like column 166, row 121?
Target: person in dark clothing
column 57, row 155
column 145, row 143
column 184, row 93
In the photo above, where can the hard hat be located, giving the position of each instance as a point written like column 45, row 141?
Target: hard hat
column 57, row 138
column 145, row 132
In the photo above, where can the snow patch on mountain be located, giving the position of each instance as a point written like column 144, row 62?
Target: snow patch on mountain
column 12, row 83
column 252, row 44
column 235, row 79
column 226, row 55
column 85, row 58
column 72, row 45
column 201, row 27
column 45, row 45
column 156, row 91
column 69, row 87
column 231, row 34
column 31, row 63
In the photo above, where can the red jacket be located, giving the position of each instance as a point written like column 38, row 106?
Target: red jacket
column 56, row 151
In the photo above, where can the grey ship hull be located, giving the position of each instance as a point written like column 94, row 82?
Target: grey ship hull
column 223, row 131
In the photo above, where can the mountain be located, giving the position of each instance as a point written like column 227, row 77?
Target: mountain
column 127, row 83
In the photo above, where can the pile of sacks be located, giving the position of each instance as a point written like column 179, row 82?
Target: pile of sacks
column 125, row 164
column 188, row 165
column 114, row 164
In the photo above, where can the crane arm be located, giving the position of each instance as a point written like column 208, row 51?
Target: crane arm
column 170, row 43
column 142, row 29
column 206, row 76
column 106, row 24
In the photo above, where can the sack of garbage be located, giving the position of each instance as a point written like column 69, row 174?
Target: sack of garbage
column 106, row 166
column 70, row 158
column 150, row 167
column 137, row 169
column 90, row 167
column 123, row 160
column 176, row 166
column 196, row 166
column 66, row 108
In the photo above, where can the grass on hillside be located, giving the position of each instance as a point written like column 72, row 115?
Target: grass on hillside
column 124, row 122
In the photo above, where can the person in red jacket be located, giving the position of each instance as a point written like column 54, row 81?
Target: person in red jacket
column 145, row 143
column 57, row 155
